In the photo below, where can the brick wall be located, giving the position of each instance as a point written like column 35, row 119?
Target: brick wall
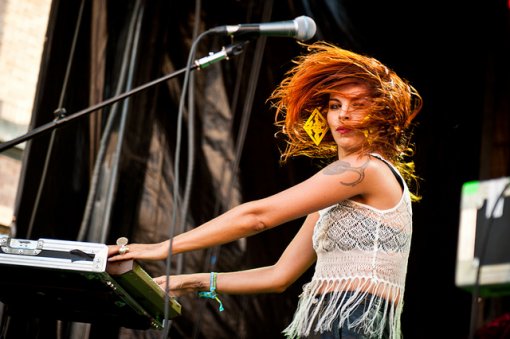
column 22, row 34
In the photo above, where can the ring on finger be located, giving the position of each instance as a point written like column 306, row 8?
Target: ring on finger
column 123, row 249
column 122, row 242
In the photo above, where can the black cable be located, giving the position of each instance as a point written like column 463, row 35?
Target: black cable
column 91, row 199
column 189, row 77
column 481, row 259
column 176, row 189
column 59, row 111
column 214, row 253
column 123, row 117
column 100, row 228
column 191, row 138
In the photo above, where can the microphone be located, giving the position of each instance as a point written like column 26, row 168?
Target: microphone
column 301, row 28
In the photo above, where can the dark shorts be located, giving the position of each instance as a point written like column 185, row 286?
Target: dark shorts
column 349, row 333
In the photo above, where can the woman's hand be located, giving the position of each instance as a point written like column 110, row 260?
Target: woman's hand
column 184, row 283
column 156, row 251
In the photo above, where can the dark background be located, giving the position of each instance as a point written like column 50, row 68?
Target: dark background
column 454, row 52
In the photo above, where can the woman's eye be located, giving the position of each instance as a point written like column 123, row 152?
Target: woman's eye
column 361, row 104
column 334, row 106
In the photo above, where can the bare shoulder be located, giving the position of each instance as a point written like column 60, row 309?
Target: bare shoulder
column 352, row 167
column 357, row 168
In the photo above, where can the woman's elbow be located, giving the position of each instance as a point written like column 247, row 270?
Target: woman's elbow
column 280, row 285
column 254, row 223
column 254, row 217
column 280, row 288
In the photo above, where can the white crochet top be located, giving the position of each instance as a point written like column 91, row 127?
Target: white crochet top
column 363, row 251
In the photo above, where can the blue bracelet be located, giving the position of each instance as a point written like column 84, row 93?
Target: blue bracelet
column 212, row 291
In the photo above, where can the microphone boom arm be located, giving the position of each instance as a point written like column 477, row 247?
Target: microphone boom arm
column 61, row 120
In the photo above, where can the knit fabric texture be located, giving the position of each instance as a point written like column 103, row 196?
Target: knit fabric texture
column 362, row 256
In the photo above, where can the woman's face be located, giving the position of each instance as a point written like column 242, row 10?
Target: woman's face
column 346, row 106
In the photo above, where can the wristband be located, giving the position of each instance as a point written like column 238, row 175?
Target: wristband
column 212, row 291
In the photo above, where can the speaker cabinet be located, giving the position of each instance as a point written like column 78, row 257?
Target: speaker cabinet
column 484, row 237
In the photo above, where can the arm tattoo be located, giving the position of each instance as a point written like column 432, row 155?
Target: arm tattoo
column 343, row 166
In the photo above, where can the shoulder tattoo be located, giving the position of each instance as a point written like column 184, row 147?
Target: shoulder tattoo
column 341, row 166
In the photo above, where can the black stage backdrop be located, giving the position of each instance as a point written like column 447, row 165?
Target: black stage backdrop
column 113, row 173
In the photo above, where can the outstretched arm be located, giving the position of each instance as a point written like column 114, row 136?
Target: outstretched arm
column 351, row 177
column 295, row 260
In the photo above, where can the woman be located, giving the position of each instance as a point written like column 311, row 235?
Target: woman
column 352, row 109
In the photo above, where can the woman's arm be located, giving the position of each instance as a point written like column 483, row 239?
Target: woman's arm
column 295, row 260
column 350, row 177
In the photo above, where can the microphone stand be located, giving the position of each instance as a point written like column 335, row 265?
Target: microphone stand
column 62, row 118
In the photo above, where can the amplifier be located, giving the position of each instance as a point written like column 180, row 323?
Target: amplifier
column 484, row 231
column 73, row 281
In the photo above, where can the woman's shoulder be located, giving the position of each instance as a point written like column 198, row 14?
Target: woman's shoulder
column 378, row 165
column 368, row 166
column 360, row 161
column 357, row 169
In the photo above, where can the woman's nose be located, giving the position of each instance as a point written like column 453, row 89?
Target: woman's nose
column 344, row 113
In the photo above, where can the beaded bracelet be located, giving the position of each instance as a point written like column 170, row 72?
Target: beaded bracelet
column 212, row 291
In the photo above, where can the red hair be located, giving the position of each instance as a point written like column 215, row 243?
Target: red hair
column 315, row 76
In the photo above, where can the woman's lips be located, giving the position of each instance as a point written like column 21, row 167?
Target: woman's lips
column 343, row 130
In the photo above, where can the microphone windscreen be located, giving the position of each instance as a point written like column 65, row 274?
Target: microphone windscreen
column 306, row 28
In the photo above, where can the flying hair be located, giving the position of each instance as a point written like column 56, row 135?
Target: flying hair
column 388, row 126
